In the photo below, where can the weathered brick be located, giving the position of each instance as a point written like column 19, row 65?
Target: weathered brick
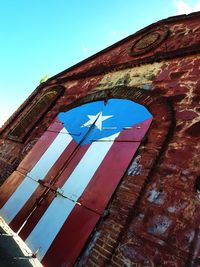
column 194, row 130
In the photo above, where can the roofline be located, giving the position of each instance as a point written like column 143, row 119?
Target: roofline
column 158, row 23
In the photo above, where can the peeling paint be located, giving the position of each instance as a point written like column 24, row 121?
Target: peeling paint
column 171, row 209
column 155, row 197
column 147, row 86
column 88, row 249
column 160, row 225
column 135, row 167
column 190, row 236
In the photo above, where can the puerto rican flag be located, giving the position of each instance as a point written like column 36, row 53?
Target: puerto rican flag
column 60, row 190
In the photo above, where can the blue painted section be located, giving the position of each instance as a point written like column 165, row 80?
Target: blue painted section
column 112, row 118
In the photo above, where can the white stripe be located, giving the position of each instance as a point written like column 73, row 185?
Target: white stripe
column 60, row 208
column 39, row 171
column 18, row 199
column 51, row 155
column 87, row 167
column 46, row 230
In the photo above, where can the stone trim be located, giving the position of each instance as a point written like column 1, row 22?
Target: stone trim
column 149, row 41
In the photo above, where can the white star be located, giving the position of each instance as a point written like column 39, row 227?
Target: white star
column 96, row 120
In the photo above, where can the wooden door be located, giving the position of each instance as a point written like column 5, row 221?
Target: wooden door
column 60, row 190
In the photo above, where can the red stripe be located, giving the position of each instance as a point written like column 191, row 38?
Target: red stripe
column 17, row 177
column 137, row 132
column 109, row 174
column 71, row 238
column 9, row 186
column 40, row 147
column 113, row 167
column 36, row 216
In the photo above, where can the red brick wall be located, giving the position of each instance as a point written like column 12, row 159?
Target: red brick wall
column 163, row 228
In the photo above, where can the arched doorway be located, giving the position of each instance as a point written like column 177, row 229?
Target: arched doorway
column 61, row 188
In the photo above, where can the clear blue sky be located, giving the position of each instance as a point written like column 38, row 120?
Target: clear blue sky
column 41, row 37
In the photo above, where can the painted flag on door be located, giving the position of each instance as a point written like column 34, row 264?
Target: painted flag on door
column 108, row 119
column 63, row 185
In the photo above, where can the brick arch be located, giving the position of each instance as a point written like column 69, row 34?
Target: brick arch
column 123, row 205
